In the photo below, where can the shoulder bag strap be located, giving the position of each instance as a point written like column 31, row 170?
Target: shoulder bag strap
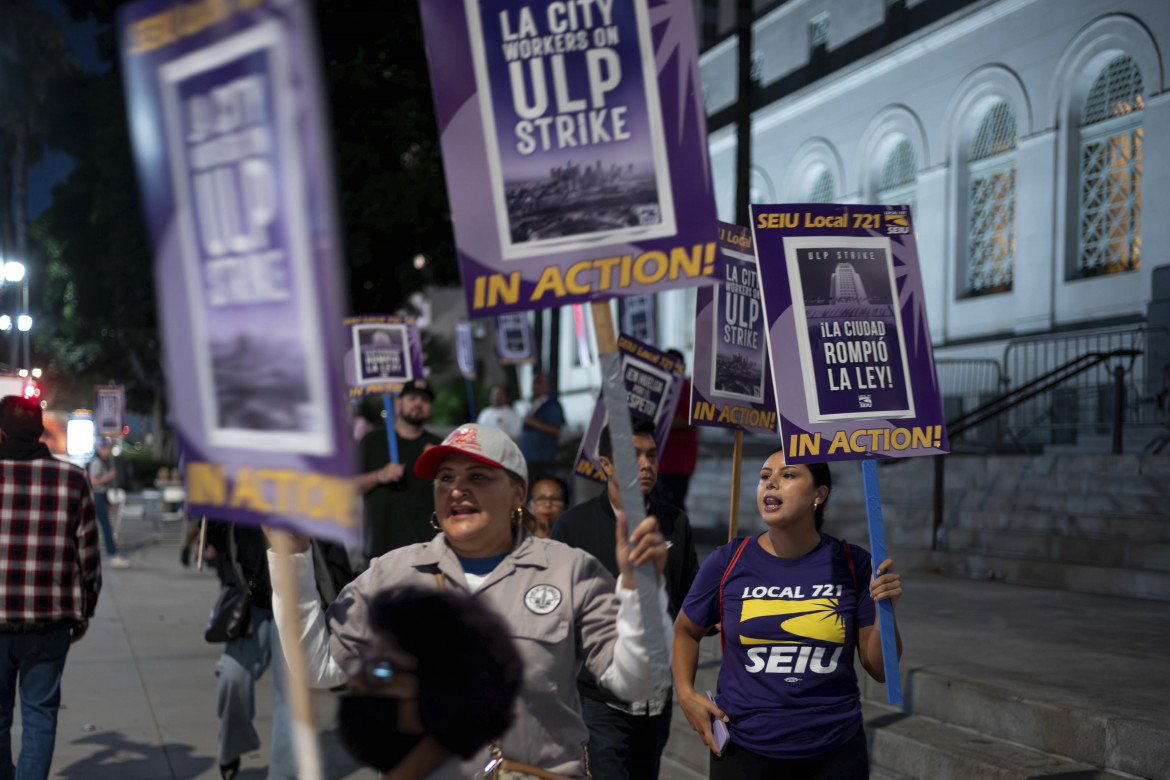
column 853, row 576
column 726, row 573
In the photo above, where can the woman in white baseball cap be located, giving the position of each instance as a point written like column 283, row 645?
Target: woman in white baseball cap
column 560, row 603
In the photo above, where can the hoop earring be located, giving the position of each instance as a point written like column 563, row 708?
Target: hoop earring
column 435, row 521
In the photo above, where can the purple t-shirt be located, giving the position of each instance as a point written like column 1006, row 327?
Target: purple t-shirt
column 787, row 680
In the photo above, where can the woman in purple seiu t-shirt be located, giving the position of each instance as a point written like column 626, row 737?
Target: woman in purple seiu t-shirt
column 793, row 604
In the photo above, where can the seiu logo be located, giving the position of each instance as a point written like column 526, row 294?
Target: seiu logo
column 789, row 659
column 896, row 223
column 864, row 401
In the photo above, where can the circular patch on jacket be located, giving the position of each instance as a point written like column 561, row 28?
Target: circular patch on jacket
column 542, row 599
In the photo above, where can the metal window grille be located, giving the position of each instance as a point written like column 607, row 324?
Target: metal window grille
column 822, row 189
column 899, row 177
column 991, row 203
column 1111, row 172
column 996, row 133
column 1116, row 92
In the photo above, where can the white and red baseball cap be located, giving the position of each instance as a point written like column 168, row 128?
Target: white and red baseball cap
column 483, row 443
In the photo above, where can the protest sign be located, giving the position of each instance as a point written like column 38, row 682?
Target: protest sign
column 514, row 342
column 109, row 410
column 730, row 383
column 385, row 352
column 653, row 382
column 465, row 350
column 575, row 147
column 850, row 349
column 636, row 314
column 228, row 125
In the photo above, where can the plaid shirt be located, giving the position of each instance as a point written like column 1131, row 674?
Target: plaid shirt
column 50, row 562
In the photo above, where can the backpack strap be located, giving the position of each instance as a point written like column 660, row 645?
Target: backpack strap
column 726, row 573
column 849, row 560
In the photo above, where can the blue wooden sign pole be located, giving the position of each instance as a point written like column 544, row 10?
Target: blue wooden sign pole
column 470, row 400
column 391, row 438
column 885, row 610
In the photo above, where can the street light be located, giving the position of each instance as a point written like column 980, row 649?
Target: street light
column 24, row 323
column 13, row 271
column 5, row 322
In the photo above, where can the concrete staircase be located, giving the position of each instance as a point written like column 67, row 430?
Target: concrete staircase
column 1088, row 523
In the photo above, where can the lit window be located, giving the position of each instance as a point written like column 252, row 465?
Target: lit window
column 991, row 204
column 1111, row 172
column 899, row 178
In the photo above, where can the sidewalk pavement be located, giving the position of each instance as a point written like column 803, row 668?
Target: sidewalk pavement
column 139, row 692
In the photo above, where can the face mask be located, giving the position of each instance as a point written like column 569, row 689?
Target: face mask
column 368, row 727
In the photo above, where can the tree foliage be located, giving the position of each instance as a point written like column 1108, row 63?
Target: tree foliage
column 100, row 305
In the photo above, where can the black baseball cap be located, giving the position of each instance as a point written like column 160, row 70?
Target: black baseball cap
column 418, row 386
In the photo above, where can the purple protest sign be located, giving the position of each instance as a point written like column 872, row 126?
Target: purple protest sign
column 636, row 314
column 385, row 352
column 465, row 349
column 228, row 125
column 653, row 381
column 575, row 147
column 109, row 409
column 850, row 349
column 514, row 339
column 730, row 383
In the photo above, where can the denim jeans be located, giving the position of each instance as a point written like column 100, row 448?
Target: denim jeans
column 101, row 504
column 623, row 746
column 238, row 669
column 35, row 663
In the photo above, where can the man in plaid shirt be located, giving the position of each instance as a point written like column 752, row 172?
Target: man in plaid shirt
column 50, row 576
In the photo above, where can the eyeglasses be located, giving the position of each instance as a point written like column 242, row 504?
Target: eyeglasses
column 547, row 500
column 378, row 671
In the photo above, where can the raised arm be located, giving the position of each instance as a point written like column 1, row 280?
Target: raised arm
column 323, row 670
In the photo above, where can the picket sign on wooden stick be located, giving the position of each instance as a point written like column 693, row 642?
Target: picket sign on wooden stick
column 885, row 609
column 202, row 536
column 613, row 388
column 736, row 465
column 391, row 437
column 308, row 749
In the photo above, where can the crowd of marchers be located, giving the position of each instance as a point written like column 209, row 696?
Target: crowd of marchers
column 488, row 625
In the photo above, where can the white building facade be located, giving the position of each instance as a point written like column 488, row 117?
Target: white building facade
column 1026, row 134
column 1030, row 137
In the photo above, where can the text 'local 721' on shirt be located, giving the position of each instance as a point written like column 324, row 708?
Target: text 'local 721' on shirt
column 787, row 681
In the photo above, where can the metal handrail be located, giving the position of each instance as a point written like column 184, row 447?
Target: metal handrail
column 1013, row 398
column 1040, row 384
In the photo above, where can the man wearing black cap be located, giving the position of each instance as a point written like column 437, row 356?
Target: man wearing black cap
column 52, row 580
column 397, row 503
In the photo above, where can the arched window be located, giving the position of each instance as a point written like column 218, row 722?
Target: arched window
column 821, row 188
column 1111, row 171
column 991, row 204
column 898, row 183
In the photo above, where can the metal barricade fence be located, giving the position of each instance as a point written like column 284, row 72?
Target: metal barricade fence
column 1085, row 404
column 152, row 516
column 966, row 384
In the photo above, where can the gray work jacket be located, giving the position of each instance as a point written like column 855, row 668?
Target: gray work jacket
column 561, row 605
